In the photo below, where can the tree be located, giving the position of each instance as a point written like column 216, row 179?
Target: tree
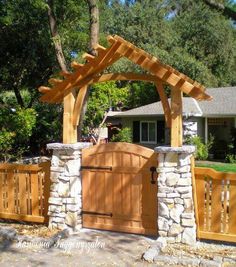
column 93, row 41
column 209, row 41
column 27, row 61
column 56, row 37
column 192, row 37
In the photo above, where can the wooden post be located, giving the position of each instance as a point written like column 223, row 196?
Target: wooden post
column 164, row 102
column 194, row 194
column 176, row 118
column 69, row 130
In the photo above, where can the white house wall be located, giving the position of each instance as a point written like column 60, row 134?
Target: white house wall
column 194, row 126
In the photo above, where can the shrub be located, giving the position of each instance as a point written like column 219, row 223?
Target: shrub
column 6, row 143
column 202, row 150
column 124, row 135
column 230, row 158
column 16, row 127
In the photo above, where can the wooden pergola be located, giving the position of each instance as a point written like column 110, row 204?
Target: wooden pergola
column 91, row 72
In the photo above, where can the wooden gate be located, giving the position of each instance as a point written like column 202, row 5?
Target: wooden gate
column 216, row 204
column 24, row 192
column 116, row 188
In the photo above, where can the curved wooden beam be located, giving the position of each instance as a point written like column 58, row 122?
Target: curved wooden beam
column 119, row 77
column 78, row 105
column 123, row 77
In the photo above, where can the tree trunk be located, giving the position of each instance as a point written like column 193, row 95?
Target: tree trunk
column 56, row 37
column 94, row 37
column 94, row 25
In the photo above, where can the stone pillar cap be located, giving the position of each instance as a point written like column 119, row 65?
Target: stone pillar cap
column 183, row 149
column 76, row 146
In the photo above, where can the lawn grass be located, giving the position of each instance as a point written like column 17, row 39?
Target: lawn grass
column 221, row 167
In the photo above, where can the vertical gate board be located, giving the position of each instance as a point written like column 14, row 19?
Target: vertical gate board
column 232, row 207
column 23, row 193
column 35, row 193
column 126, row 200
column 200, row 188
column 108, row 189
column 1, row 191
column 45, row 181
column 225, row 210
column 216, row 206
column 121, row 190
column 208, row 202
column 10, row 192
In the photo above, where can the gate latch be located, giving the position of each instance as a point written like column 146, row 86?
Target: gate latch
column 153, row 170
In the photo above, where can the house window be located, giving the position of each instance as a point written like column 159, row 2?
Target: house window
column 148, row 132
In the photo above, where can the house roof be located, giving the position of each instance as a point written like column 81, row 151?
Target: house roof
column 223, row 104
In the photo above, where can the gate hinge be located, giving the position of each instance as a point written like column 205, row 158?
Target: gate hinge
column 96, row 213
column 109, row 168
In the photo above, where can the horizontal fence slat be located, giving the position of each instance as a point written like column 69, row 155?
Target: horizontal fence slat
column 215, row 174
column 18, row 167
column 217, row 236
column 20, row 217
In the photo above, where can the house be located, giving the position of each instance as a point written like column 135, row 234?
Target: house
column 202, row 118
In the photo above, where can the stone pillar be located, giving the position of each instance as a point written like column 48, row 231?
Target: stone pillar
column 176, row 218
column 65, row 203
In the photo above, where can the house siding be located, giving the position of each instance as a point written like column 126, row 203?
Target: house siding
column 128, row 122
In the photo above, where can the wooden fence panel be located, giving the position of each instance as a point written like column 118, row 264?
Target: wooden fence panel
column 24, row 192
column 216, row 204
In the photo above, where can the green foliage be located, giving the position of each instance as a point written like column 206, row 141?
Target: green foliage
column 187, row 34
column 6, row 143
column 231, row 158
column 103, row 96
column 48, row 126
column 16, row 128
column 142, row 94
column 218, row 166
column 201, row 148
column 124, row 135
column 210, row 39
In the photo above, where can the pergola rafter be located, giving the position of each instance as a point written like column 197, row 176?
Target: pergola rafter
column 90, row 72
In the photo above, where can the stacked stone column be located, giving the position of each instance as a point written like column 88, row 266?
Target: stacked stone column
column 65, row 202
column 176, row 218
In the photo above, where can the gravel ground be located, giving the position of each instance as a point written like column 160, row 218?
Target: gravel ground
column 102, row 248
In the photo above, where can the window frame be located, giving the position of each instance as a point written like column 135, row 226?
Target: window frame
column 148, row 142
